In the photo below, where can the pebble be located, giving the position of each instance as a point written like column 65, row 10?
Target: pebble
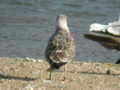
column 42, row 88
column 29, row 87
column 47, row 81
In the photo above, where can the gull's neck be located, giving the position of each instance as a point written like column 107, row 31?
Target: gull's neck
column 62, row 23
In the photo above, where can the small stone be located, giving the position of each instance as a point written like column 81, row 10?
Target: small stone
column 42, row 88
column 47, row 81
column 29, row 87
column 33, row 60
column 40, row 60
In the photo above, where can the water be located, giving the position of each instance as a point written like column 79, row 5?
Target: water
column 26, row 25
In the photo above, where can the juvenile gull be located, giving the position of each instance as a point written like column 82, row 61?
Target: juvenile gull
column 61, row 46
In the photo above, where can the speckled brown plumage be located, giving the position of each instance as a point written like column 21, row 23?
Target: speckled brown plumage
column 61, row 46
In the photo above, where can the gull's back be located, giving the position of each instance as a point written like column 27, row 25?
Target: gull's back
column 61, row 48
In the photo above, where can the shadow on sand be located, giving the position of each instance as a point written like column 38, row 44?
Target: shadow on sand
column 16, row 78
column 97, row 73
column 108, row 72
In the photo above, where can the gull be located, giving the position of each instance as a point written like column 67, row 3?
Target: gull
column 112, row 28
column 61, row 47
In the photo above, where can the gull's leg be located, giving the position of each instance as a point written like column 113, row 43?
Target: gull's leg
column 50, row 75
column 65, row 71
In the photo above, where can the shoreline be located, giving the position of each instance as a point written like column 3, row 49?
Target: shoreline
column 25, row 74
column 39, row 60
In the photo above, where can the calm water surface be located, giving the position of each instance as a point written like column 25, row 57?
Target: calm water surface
column 26, row 25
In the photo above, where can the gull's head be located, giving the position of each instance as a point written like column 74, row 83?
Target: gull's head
column 61, row 22
column 95, row 27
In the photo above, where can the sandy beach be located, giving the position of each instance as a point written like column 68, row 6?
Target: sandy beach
column 28, row 74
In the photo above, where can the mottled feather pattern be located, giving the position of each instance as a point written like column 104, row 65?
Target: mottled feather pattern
column 61, row 47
